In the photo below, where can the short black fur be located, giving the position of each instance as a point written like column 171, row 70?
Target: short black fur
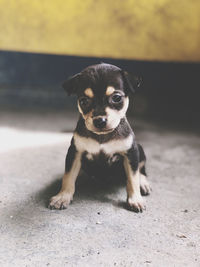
column 70, row 156
column 98, row 77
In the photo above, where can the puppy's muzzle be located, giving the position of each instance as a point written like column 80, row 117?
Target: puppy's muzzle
column 100, row 122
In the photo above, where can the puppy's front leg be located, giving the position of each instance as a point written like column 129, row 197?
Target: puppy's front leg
column 131, row 164
column 72, row 168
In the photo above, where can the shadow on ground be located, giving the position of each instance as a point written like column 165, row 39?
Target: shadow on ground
column 87, row 188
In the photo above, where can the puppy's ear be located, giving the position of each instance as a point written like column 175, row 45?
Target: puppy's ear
column 131, row 82
column 71, row 85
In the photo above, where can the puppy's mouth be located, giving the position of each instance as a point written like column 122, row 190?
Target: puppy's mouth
column 102, row 131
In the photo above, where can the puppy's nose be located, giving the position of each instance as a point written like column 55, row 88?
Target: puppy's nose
column 100, row 123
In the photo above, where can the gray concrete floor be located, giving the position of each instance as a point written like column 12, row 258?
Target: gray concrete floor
column 96, row 230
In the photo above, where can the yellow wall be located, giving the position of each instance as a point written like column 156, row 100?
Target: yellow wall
column 133, row 29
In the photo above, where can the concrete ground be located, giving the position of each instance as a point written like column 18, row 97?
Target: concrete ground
column 96, row 230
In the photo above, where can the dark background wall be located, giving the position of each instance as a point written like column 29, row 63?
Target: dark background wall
column 30, row 80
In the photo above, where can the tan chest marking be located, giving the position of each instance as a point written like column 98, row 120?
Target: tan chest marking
column 93, row 147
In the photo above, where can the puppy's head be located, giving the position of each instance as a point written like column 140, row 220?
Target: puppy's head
column 102, row 92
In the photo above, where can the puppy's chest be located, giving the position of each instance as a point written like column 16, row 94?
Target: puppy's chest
column 91, row 147
column 102, row 165
column 101, row 158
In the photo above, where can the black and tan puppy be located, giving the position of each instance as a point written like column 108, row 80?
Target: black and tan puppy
column 103, row 139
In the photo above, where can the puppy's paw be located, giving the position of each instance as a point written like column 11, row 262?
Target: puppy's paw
column 136, row 204
column 145, row 187
column 60, row 201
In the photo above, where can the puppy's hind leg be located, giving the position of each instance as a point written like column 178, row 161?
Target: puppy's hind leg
column 72, row 168
column 145, row 188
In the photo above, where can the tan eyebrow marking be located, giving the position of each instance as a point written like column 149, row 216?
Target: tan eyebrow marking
column 110, row 90
column 88, row 92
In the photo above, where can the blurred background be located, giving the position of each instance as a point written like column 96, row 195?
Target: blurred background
column 44, row 42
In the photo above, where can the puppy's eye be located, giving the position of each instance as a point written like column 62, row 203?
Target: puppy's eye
column 84, row 101
column 116, row 98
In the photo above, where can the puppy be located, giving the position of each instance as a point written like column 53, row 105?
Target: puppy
column 103, row 140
